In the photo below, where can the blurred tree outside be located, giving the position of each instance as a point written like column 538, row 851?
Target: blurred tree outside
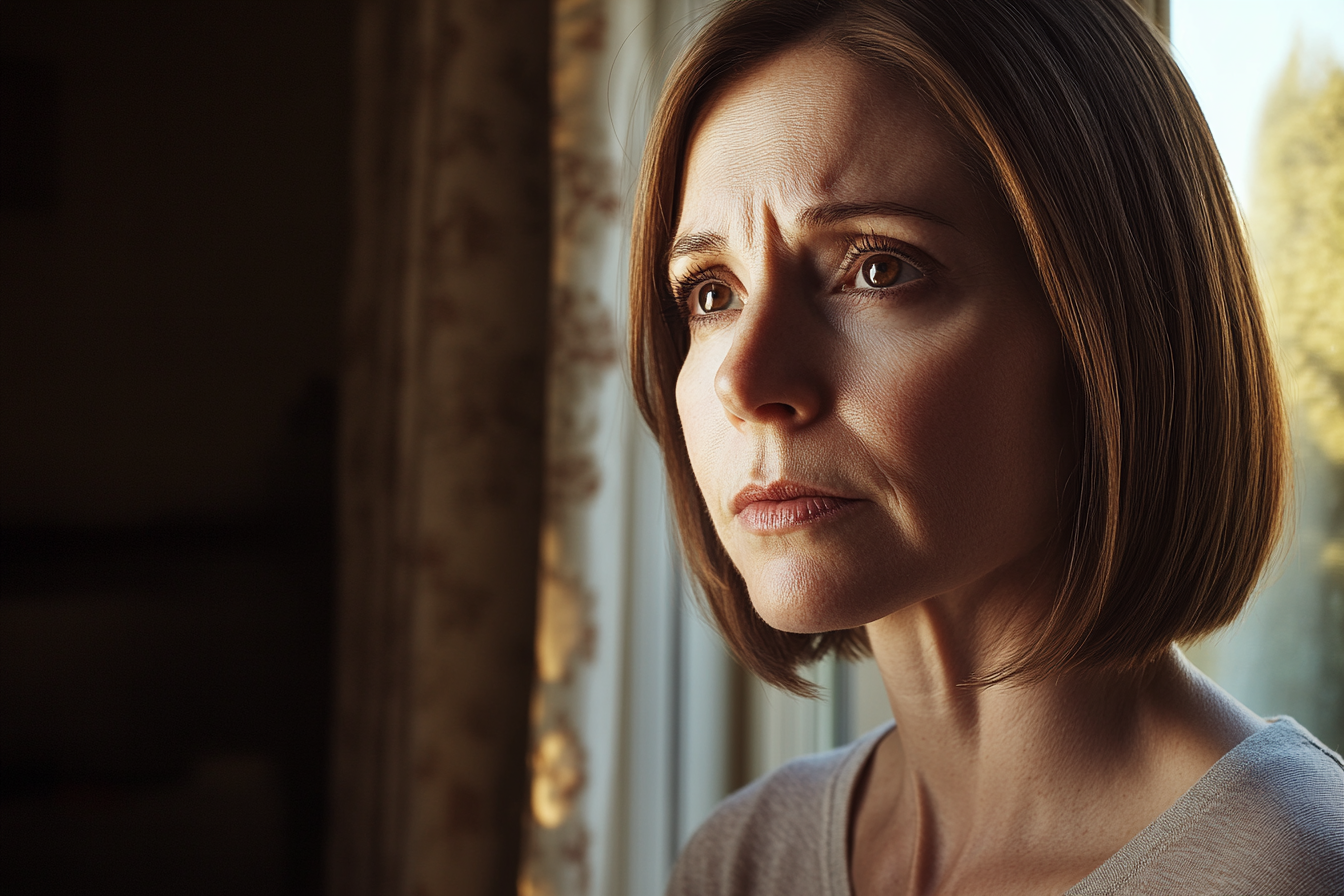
column 1298, row 220
column 1297, row 225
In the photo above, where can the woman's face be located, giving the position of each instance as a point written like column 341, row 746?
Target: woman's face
column 873, row 398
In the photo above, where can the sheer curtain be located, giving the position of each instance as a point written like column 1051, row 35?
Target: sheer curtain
column 631, row 709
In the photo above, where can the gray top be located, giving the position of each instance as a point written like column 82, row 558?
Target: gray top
column 1267, row 818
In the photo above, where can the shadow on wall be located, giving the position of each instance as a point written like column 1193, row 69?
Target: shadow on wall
column 173, row 227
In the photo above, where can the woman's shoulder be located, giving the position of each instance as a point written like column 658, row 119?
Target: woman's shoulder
column 1287, row 755
column 1268, row 817
column 1281, row 785
column 778, row 834
column 1285, row 782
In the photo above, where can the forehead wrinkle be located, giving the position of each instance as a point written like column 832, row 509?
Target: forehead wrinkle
column 705, row 243
column 748, row 221
column 713, row 242
column 759, row 201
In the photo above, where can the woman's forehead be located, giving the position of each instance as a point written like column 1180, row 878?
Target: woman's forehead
column 810, row 127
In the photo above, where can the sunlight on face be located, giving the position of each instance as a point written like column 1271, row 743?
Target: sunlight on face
column 873, row 399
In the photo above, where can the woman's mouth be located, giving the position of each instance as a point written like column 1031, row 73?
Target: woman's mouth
column 785, row 506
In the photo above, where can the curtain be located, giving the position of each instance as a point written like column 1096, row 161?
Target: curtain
column 627, row 740
column 441, row 445
column 514, row 710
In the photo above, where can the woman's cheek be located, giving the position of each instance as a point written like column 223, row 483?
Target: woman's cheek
column 701, row 413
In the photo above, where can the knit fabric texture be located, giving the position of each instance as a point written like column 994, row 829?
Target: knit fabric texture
column 1267, row 818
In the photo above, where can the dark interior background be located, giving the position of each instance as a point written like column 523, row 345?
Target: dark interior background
column 173, row 228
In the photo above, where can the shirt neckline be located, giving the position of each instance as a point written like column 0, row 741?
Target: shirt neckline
column 1120, row 866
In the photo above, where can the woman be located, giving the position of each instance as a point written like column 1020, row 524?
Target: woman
column 943, row 319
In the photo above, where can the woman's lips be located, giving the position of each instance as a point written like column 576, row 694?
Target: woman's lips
column 784, row 506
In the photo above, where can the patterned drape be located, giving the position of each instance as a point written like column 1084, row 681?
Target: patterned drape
column 503, row 509
column 441, row 445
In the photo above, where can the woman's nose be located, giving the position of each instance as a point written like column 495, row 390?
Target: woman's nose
column 774, row 371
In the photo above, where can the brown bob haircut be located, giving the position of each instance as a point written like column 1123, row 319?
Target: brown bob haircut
column 1075, row 114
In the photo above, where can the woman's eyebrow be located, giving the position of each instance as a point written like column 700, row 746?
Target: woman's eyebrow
column 821, row 215
column 702, row 243
column 827, row 213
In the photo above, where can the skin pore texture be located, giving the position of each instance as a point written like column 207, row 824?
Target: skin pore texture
column 875, row 410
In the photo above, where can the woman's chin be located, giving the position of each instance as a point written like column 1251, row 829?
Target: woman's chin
column 801, row 606
column 847, row 584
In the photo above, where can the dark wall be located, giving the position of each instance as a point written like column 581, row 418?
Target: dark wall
column 173, row 228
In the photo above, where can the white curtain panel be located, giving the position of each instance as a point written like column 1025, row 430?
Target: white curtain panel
column 630, row 710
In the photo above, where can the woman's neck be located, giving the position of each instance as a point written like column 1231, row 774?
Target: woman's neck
column 990, row 786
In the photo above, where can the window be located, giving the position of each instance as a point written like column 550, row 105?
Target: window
column 1269, row 79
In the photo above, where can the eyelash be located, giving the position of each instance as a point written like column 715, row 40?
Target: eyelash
column 869, row 244
column 683, row 286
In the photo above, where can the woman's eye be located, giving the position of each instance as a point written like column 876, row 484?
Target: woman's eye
column 881, row 271
column 713, row 296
